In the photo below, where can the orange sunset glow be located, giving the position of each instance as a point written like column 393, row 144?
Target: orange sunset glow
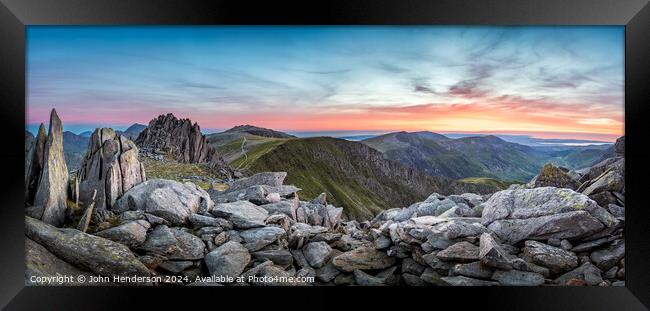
column 546, row 82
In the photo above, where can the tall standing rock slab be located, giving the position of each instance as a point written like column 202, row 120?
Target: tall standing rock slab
column 52, row 189
column 29, row 146
column 111, row 167
column 35, row 165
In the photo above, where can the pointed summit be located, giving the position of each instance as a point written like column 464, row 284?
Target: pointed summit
column 51, row 193
column 36, row 165
column 179, row 138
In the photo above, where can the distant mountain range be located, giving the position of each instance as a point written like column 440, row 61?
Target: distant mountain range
column 435, row 154
column 367, row 173
column 74, row 149
column 533, row 141
column 133, row 131
column 479, row 156
column 518, row 139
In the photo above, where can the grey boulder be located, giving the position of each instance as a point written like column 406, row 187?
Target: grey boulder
column 227, row 260
column 492, row 254
column 556, row 259
column 363, row 258
column 518, row 278
column 257, row 238
column 168, row 199
column 189, row 246
column 465, row 281
column 98, row 255
column 243, row 214
column 131, row 234
column 543, row 213
column 608, row 257
column 317, row 253
column 461, row 252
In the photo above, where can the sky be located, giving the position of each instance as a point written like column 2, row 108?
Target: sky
column 546, row 82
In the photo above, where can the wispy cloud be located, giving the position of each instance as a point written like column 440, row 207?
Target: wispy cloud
column 553, row 79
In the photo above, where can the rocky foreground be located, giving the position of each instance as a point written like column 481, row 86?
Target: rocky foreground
column 117, row 227
column 262, row 233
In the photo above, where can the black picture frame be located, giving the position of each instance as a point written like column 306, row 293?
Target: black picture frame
column 15, row 15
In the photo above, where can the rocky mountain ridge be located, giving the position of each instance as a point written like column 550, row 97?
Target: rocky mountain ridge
column 181, row 140
column 259, row 131
column 178, row 138
column 476, row 156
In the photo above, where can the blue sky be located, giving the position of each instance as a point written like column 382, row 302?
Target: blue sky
column 533, row 80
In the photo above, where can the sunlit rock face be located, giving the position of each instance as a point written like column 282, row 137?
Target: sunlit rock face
column 110, row 168
column 50, row 191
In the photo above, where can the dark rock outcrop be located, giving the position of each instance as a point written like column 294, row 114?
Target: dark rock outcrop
column 51, row 193
column 110, row 167
column 555, row 176
column 178, row 138
column 605, row 181
column 182, row 141
column 619, row 146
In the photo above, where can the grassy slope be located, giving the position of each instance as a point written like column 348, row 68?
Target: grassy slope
column 229, row 144
column 486, row 181
column 460, row 158
column 254, row 152
column 298, row 157
column 427, row 155
column 505, row 161
column 582, row 158
column 318, row 165
column 169, row 169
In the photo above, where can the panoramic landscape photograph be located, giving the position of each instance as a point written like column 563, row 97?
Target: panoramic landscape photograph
column 325, row 155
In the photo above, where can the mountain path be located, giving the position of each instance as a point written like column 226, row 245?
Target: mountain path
column 243, row 152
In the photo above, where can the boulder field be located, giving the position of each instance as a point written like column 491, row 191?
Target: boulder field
column 260, row 233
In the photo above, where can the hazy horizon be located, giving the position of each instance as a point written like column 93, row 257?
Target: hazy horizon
column 352, row 134
column 545, row 82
